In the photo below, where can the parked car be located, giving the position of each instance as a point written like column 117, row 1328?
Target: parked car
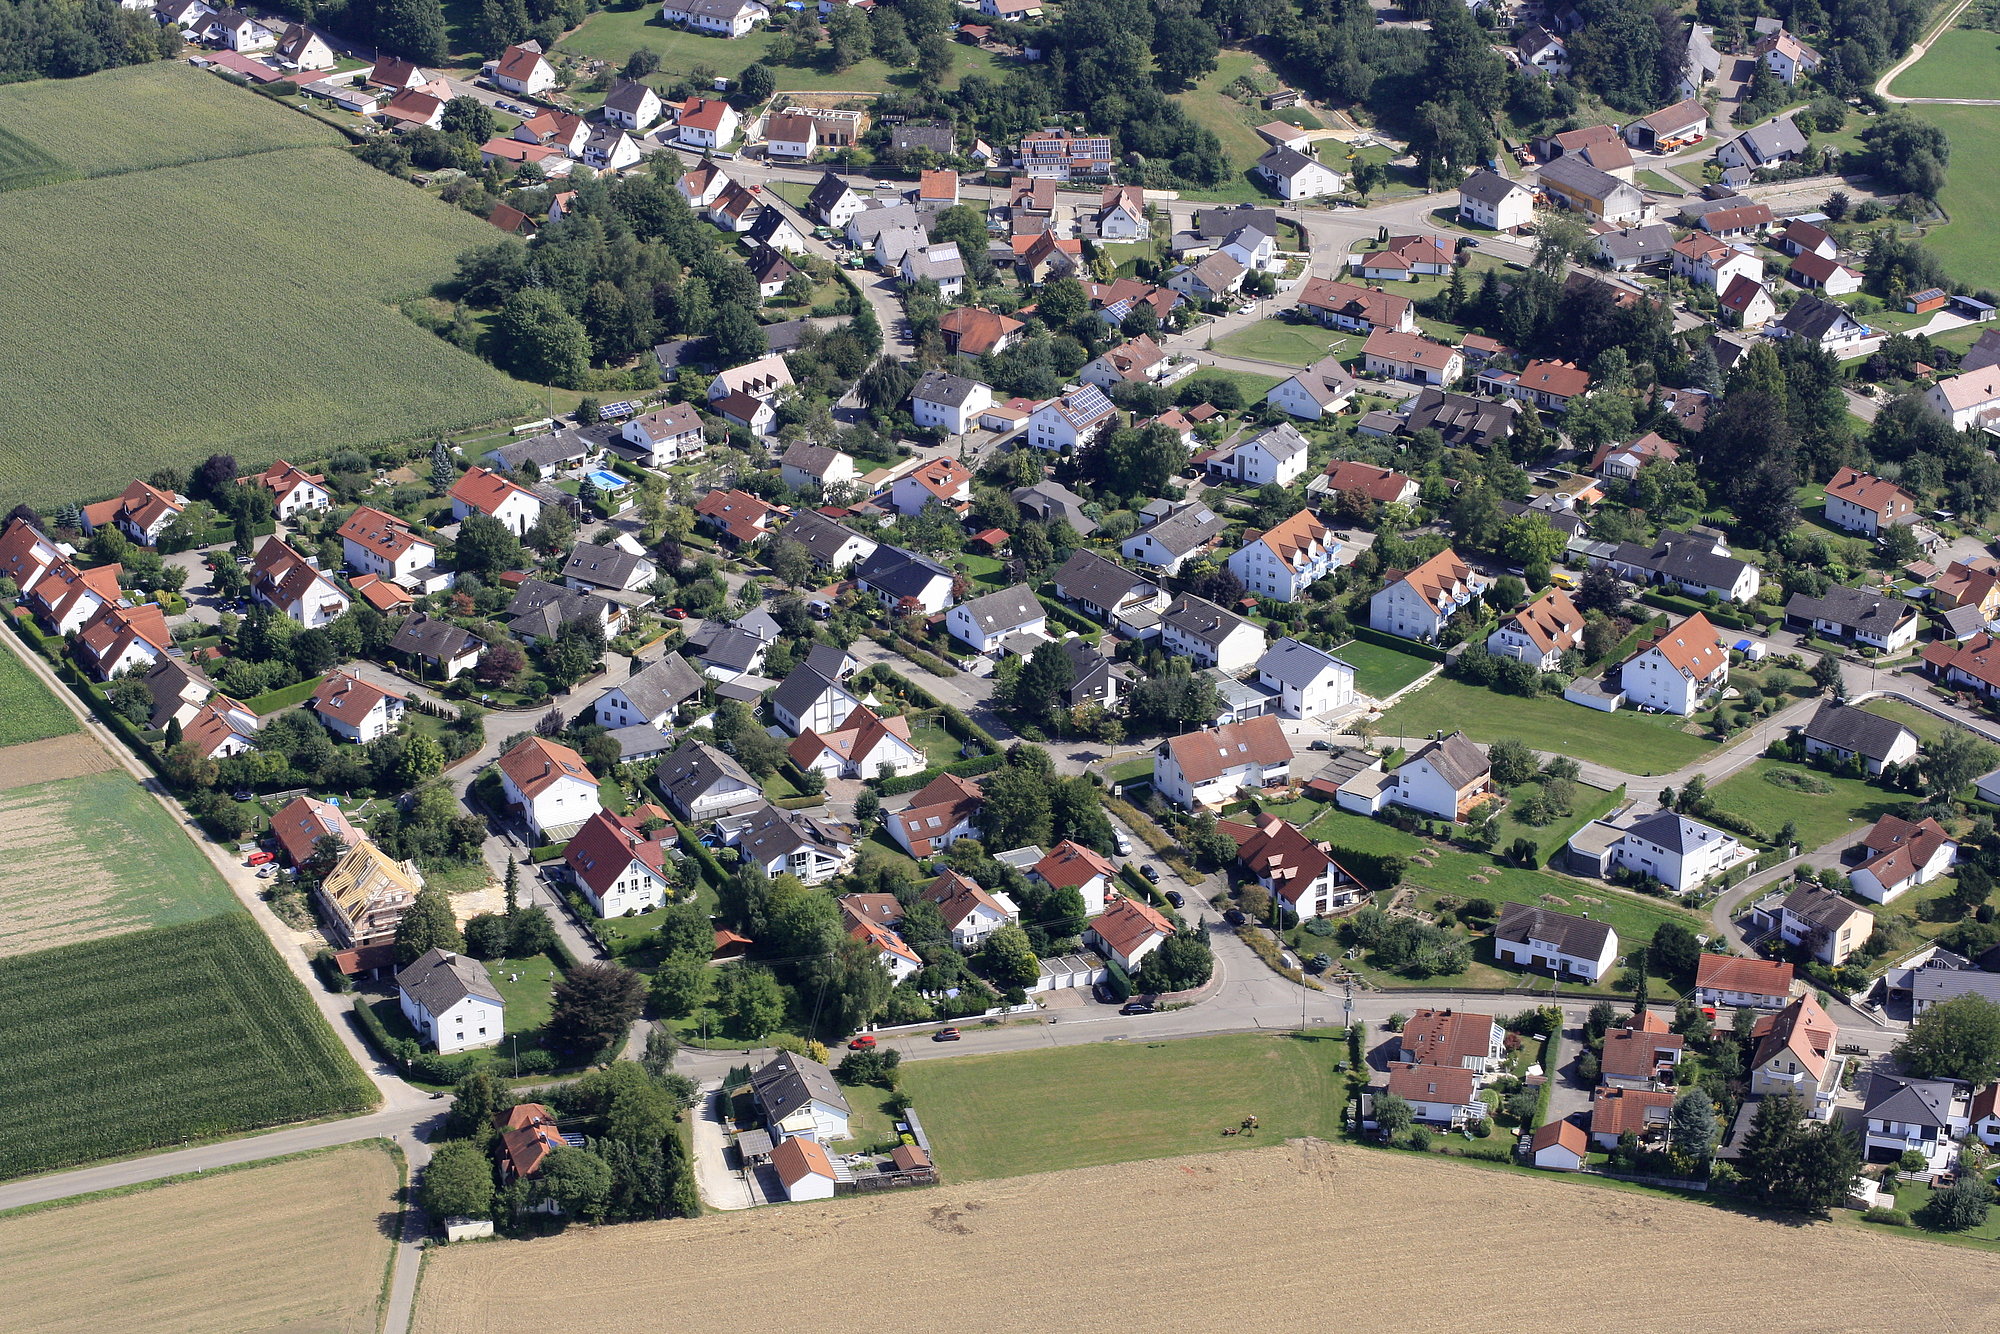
column 1124, row 843
column 1136, row 1007
column 261, row 858
column 677, row 613
column 862, row 1043
column 946, row 1035
column 1152, row 873
column 1235, row 917
column 1175, row 897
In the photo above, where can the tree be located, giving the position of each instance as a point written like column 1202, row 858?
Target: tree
column 1182, row 962
column 1959, row 1039
column 444, row 469
column 538, row 339
column 750, row 999
column 682, row 984
column 1674, row 951
column 578, row 1180
column 1958, row 1207
column 423, row 758
column 1393, row 1116
column 1692, row 1125
column 737, row 336
column 789, row 561
column 595, row 1005
column 1826, row 673
column 756, row 83
column 1039, row 690
column 1601, row 591
column 428, row 925
column 486, row 546
column 877, row 1065
column 488, row 936
column 459, row 1181
column 850, row 983
column 1513, row 763
column 476, row 1101
column 1787, row 1164
column 499, row 664
column 1009, row 959
column 470, row 117
column 413, row 29
column 1952, row 761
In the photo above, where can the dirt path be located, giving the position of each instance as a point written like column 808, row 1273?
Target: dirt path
column 51, row 760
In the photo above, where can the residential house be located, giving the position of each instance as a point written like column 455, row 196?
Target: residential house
column 1059, row 155
column 619, row 867
column 1294, row 175
column 1438, row 1095
column 1561, row 944
column 1793, row 1053
column 397, row 74
column 810, row 700
column 1198, row 630
column 666, row 436
column 67, row 599
column 26, row 554
column 1615, row 1113
column 1812, row 272
column 1321, row 390
column 1807, row 913
column 364, row 894
column 1627, row 248
column 1725, row 979
column 1683, row 122
column 1849, row 732
column 179, row 690
column 631, row 105
column 1126, row 931
column 1052, row 502
column 1307, row 682
column 737, row 517
column 1624, row 461
column 1969, row 401
column 1177, row 533
column 1679, row 671
column 1559, row 1146
column 702, row 782
column 551, row 787
column 1695, row 562
column 1121, row 214
column 970, row 913
column 1975, row 585
column 943, row 811
column 1827, row 323
column 990, row 624
column 1553, row 385
column 784, row 842
column 1931, row 986
column 1476, row 423
column 293, row 490
column 1596, row 194
column 540, row 609
column 834, row 202
column 1903, row 1114
column 1208, row 768
column 1291, row 867
column 118, row 639
column 764, row 378
column 1446, row 778
column 804, row 1169
column 592, row 567
column 1071, row 865
column 233, row 30
column 451, row 1002
column 1137, row 361
column 295, row 585
column 970, row 331
column 1709, row 261
column 1540, row 633
column 1417, row 604
column 1639, row 1057
column 719, row 18
column 1070, row 422
column 703, row 185
column 863, row 746
column 650, row 696
column 1897, row 855
column 1680, row 853
column 941, row 264
column 481, row 491
column 1286, row 559
column 1357, row 309
column 1863, row 503
column 1488, row 199
column 1095, row 679
column 301, row 47
column 220, row 728
column 377, row 543
column 1214, row 278
column 522, row 69
column 896, row 957
column 800, row 1099
column 1380, row 486
column 902, row 580
column 142, row 512
column 1746, row 303
column 1404, row 259
column 1405, row 356
column 1454, row 1039
column 1786, row 56
column 1972, row 665
column 1109, row 592
column 355, row 710
column 437, row 648
column 951, row 403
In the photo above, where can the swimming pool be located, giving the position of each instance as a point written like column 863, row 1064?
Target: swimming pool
column 606, row 481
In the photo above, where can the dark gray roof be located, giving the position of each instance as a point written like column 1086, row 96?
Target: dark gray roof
column 608, row 567
column 1571, row 172
column 1186, row 529
column 1281, row 442
column 1964, row 621
column 1636, row 244
column 430, row 638
column 946, row 388
column 1694, row 210
column 1937, row 985
column 165, row 681
column 809, row 456
column 872, row 222
column 1201, row 620
column 826, row 192
column 899, row 573
column 1819, row 905
column 1813, row 317
column 544, row 451
column 437, row 981
column 626, row 96
column 1772, row 140
column 1297, row 664
column 1279, row 160
column 768, row 264
column 1581, row 937
column 1488, row 187
column 820, row 536
column 1462, row 419
column 1216, row 223
column 1007, row 609
column 830, row 661
column 695, row 769
column 1457, row 759
column 791, row 1082
column 805, row 684
column 1856, row 608
column 1089, row 669
column 1686, row 558
column 936, row 137
column 1672, row 831
column 663, row 685
column 769, row 833
column 637, row 740
column 1091, row 578
column 540, row 608
column 1913, row 1102
column 770, row 224
column 1563, row 521
column 732, row 647
column 1050, row 501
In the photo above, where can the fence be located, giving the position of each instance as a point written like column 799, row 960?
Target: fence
column 1664, row 1183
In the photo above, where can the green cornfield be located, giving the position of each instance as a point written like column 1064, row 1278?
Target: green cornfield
column 147, row 1040
column 241, row 306
column 22, row 164
column 159, row 115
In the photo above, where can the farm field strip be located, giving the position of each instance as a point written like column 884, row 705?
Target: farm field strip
column 154, row 1037
column 28, row 710
column 133, row 1262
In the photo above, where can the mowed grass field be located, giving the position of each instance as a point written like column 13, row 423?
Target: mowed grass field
column 1848, row 810
column 159, row 115
column 1381, row 671
column 1009, row 1115
column 1968, row 244
column 145, row 1040
column 1964, row 62
column 22, row 164
column 1280, row 340
column 237, row 306
column 96, row 856
column 296, row 1244
column 1635, row 743
column 28, row 712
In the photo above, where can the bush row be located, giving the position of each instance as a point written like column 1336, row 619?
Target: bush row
column 892, row 787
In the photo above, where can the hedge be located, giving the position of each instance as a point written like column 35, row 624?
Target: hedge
column 954, row 720
column 702, row 856
column 1062, row 615
column 1371, row 868
column 1720, row 615
column 1382, row 639
column 392, row 1048
column 1116, row 978
column 895, row 787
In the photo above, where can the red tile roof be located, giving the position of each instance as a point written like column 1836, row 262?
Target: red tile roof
column 1692, row 647
column 1877, row 495
column 1616, row 1111
column 303, row 821
column 1754, row 977
column 1210, row 753
column 1446, row 1037
column 1125, row 924
column 538, row 764
column 1452, row 1084
column 1381, row 485
column 607, row 844
column 348, row 699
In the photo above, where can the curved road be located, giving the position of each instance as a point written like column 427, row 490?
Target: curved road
column 1916, row 53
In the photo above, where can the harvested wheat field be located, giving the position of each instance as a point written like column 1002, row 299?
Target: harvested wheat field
column 299, row 1245
column 1187, row 1244
column 55, row 758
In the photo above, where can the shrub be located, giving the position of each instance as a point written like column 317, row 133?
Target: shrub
column 1894, row 1217
column 1420, row 1139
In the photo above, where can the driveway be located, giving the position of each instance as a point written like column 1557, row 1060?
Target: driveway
column 721, row 1186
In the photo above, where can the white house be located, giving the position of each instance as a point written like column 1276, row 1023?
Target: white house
column 451, row 1002
column 610, row 149
column 1559, row 1146
column 1294, row 175
column 721, row 18
column 706, row 123
column 764, row 378
column 352, row 708
column 142, row 512
column 294, row 491
column 523, row 69
column 942, row 812
column 1291, row 866
column 282, row 578
column 1679, row 670
column 1320, row 390
column 300, row 46
column 800, row 1099
column 1209, row 768
column 377, row 543
column 1126, row 932
column 1309, row 681
column 969, row 911
column 812, row 467
column 1453, row 1039
column 940, row 481
column 1488, row 199
column 665, row 437
column 616, row 865
column 1847, row 732
column 631, row 105
column 810, row 701
column 1926, row 1116
column 1395, row 355
column 702, row 782
column 1899, row 855
column 650, row 696
column 1417, row 605
column 1710, row 261
column 482, row 491
column 1070, row 865
column 1786, row 56
column 1172, row 534
column 1121, row 214
column 1438, row 1095
column 985, row 623
column 1446, row 779
column 1540, row 633
column 550, row 785
column 1863, row 503
column 1680, row 853
column 803, row 1169
column 1274, row 457
column 863, row 744
column 1558, row 943
column 949, row 402
column 1287, row 558
column 1968, row 400
column 1069, row 422
column 835, row 202
column 1198, row 630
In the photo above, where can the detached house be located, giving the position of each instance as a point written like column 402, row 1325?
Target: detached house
column 1108, row 592
column 703, row 783
column 664, row 437
column 1809, row 914
column 1898, row 855
column 943, row 811
column 1209, row 768
column 1070, row 865
column 451, row 1002
column 1968, row 401
column 591, row 568
column 355, row 710
column 1395, row 355
column 809, row 700
column 719, row 18
column 524, row 70
column 1127, row 931
column 1794, row 1054
column 970, row 913
column 1382, row 486
column 1618, row 1112
column 1358, row 309
column 364, row 895
column 1417, row 605
column 1172, row 535
column 119, row 639
column 1560, row 944
column 1827, row 323
column 1321, row 390
column 550, row 785
column 1286, row 559
column 901, row 580
column 283, row 579
column 1290, row 866
column 1724, row 979
column 737, row 517
column 951, row 403
column 1696, row 563
column 1540, row 633
column 1198, row 630
column 1639, row 1057
column 1294, row 175
column 1679, row 671
column 1454, row 1039
column 1438, row 1094
column 990, row 624
column 1070, row 422
column 484, row 492
column 142, row 512
column 377, row 543
column 631, row 105
column 1711, row 262
column 1593, row 193
column 293, row 490
column 1306, row 682
column 1488, row 199
column 800, row 1098
column 1863, row 503
column 1680, row 853
column 618, row 866
column 862, row 747
column 1846, row 732
column 1448, row 779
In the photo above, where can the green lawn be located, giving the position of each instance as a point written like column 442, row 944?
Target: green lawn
column 95, row 856
column 989, row 571
column 529, row 1000
column 1282, row 340
column 939, row 746
column 1592, row 803
column 286, row 697
column 1849, row 808
column 1964, row 62
column 1381, row 671
column 1971, row 195
column 1253, row 385
column 1652, row 180
column 1009, row 1115
column 29, row 711
column 1233, row 123
column 1632, row 742
column 1928, row 726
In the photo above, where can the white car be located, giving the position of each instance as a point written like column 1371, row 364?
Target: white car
column 1124, row 843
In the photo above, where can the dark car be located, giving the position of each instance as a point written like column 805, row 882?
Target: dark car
column 1235, row 917
column 1175, row 897
column 1136, row 1007
column 1152, row 873
column 946, row 1035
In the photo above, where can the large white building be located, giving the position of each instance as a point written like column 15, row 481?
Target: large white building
column 1286, row 559
column 1558, row 943
column 1418, row 605
column 1209, row 768
column 1308, row 681
column 1680, row 853
column 451, row 1002
column 1679, row 670
column 552, row 787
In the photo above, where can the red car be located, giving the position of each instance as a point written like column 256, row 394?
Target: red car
column 863, row 1043
column 261, row 858
column 945, row 1035
column 677, row 614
